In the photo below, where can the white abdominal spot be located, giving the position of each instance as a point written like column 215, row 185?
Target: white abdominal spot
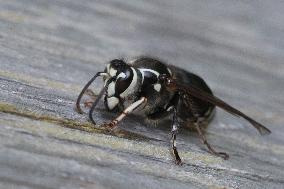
column 157, row 87
column 112, row 102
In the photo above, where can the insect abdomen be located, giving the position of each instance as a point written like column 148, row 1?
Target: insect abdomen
column 201, row 109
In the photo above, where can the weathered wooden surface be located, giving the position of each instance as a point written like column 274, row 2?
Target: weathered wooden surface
column 49, row 49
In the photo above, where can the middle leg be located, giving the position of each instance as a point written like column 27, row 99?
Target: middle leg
column 175, row 126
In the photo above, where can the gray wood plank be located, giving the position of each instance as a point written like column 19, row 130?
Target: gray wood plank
column 49, row 50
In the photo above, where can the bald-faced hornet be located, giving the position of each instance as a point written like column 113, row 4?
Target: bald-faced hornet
column 162, row 90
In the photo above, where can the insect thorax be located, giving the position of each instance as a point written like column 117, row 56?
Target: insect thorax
column 134, row 81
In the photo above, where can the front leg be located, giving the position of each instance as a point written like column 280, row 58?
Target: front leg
column 125, row 112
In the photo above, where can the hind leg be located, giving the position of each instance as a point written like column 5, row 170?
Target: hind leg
column 204, row 141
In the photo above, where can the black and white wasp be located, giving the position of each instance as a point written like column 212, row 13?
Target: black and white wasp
column 162, row 90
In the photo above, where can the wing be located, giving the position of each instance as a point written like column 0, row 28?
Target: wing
column 197, row 93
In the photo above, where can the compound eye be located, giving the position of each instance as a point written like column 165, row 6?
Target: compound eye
column 123, row 81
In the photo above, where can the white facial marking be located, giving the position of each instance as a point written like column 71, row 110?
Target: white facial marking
column 132, row 85
column 111, row 89
column 112, row 102
column 122, row 75
column 106, row 82
column 157, row 87
column 112, row 72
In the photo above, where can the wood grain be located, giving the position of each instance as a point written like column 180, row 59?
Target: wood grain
column 50, row 49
